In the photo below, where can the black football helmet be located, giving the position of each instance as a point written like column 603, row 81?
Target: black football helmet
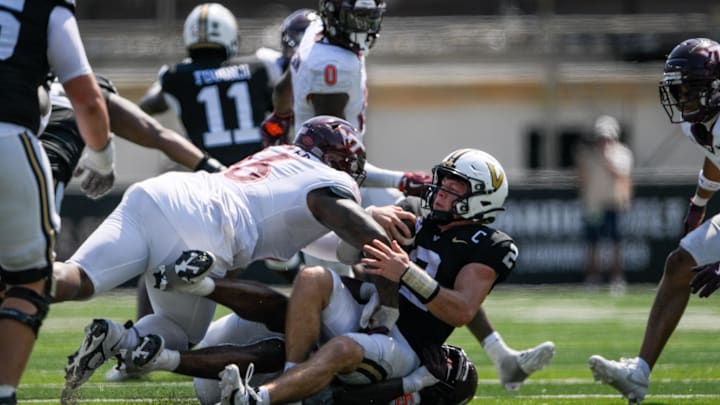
column 691, row 80
column 353, row 24
column 335, row 142
column 458, row 385
column 293, row 28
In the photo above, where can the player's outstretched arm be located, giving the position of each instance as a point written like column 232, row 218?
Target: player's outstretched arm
column 128, row 121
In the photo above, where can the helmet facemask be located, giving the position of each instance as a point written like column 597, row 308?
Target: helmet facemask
column 695, row 100
column 354, row 24
column 691, row 81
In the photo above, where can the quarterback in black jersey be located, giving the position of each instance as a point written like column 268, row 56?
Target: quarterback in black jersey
column 220, row 97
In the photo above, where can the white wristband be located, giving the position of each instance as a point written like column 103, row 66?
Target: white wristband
column 699, row 201
column 707, row 184
column 420, row 283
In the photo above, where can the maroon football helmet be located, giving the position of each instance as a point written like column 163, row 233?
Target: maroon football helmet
column 458, row 383
column 335, row 142
column 690, row 81
column 353, row 24
column 293, row 28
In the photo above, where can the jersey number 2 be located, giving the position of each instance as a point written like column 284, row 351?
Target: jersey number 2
column 217, row 134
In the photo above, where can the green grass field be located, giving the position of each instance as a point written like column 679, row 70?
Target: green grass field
column 580, row 322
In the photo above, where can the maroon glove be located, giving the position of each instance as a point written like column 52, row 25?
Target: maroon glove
column 694, row 217
column 707, row 276
column 275, row 129
column 414, row 183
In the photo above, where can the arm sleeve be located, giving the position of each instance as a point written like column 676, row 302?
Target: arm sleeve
column 383, row 178
column 65, row 52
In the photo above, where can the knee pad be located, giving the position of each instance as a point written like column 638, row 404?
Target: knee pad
column 40, row 302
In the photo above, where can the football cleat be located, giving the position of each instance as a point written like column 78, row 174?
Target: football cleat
column 188, row 275
column 515, row 369
column 144, row 355
column 625, row 376
column 99, row 344
column 235, row 391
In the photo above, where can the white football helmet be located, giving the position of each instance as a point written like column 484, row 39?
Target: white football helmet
column 488, row 186
column 211, row 25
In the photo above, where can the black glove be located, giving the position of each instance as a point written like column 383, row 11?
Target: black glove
column 706, row 277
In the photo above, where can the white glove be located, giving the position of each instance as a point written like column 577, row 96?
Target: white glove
column 96, row 171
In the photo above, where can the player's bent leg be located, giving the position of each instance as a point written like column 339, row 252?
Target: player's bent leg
column 628, row 376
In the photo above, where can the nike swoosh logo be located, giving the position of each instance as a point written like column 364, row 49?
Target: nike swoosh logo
column 456, row 240
column 435, row 238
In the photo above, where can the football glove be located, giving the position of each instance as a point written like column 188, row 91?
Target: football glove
column 414, row 183
column 707, row 278
column 693, row 218
column 275, row 129
column 96, row 170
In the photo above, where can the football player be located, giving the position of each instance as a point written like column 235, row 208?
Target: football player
column 454, row 261
column 220, row 97
column 690, row 94
column 271, row 204
column 327, row 77
column 36, row 38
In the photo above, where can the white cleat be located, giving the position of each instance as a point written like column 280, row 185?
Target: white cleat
column 515, row 369
column 99, row 345
column 625, row 375
column 188, row 275
column 233, row 391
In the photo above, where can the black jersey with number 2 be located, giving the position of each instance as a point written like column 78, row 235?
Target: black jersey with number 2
column 443, row 254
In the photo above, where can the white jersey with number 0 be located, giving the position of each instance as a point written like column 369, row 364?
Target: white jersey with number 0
column 321, row 68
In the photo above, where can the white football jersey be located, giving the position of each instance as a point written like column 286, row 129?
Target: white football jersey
column 711, row 152
column 321, row 68
column 256, row 209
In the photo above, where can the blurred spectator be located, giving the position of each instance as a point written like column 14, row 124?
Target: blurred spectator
column 604, row 166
